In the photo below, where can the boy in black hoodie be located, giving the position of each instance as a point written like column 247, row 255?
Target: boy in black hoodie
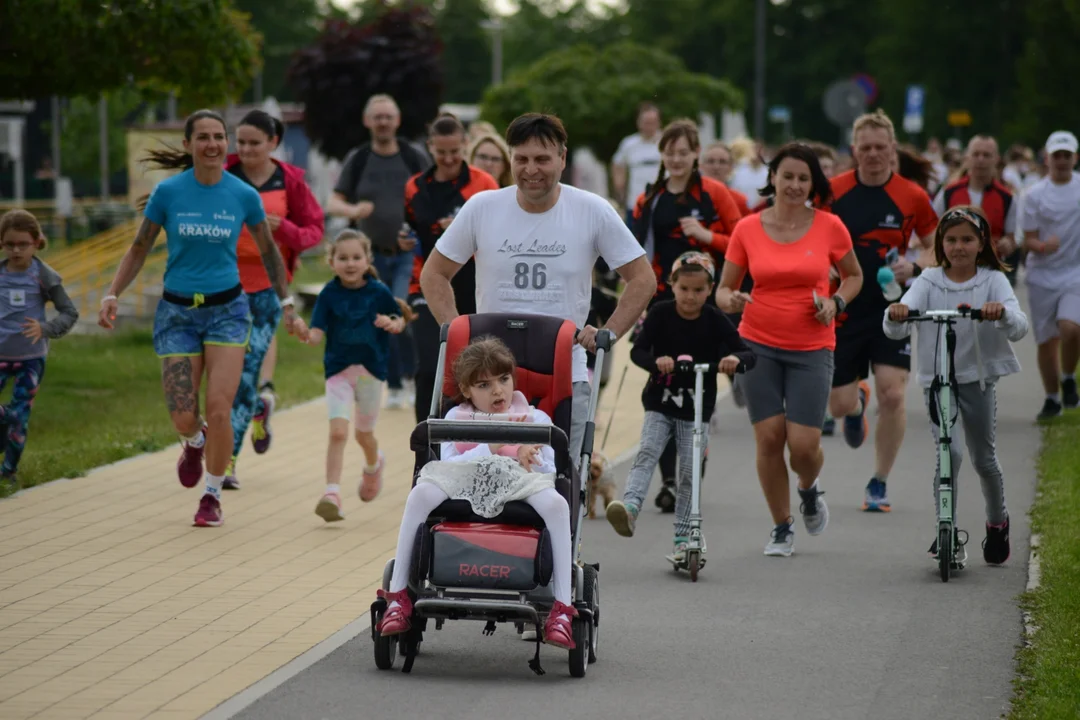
column 685, row 326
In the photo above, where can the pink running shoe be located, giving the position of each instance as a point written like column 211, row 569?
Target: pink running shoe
column 372, row 483
column 261, row 434
column 209, row 513
column 329, row 508
column 190, row 466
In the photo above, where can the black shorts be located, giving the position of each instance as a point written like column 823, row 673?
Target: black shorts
column 860, row 346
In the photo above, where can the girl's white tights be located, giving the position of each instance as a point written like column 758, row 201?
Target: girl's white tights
column 549, row 505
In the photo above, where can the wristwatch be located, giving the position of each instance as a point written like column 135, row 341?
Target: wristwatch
column 287, row 302
column 841, row 304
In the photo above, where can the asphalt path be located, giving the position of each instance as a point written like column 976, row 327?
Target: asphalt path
column 857, row 624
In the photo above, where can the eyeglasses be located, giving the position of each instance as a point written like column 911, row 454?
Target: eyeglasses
column 487, row 158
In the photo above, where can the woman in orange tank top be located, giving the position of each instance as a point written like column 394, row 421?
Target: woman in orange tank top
column 788, row 322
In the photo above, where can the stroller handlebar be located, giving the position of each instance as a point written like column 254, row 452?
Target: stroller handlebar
column 504, row 433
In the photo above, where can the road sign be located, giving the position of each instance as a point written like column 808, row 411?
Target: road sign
column 868, row 85
column 779, row 114
column 844, row 101
column 959, row 118
column 913, row 109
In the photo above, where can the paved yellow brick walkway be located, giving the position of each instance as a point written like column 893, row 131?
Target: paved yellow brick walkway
column 113, row 606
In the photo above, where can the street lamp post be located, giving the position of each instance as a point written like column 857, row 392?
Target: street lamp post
column 496, row 28
column 759, row 71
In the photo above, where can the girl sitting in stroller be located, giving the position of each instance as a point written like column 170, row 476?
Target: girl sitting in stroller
column 488, row 476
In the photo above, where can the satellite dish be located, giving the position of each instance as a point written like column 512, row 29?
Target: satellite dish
column 845, row 100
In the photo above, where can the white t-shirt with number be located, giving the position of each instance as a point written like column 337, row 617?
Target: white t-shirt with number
column 539, row 263
column 1053, row 209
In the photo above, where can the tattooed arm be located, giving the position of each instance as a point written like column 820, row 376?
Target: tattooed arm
column 129, row 269
column 275, row 268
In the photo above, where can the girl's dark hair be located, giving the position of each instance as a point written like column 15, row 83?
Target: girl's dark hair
column 446, row 125
column 485, row 356
column 911, row 165
column 172, row 158
column 548, row 129
column 267, row 123
column 681, row 128
column 820, row 189
column 22, row 221
column 365, row 242
column 975, row 217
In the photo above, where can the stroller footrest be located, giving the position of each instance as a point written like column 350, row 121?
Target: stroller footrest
column 461, row 608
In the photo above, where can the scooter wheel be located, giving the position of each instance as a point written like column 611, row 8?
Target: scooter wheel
column 693, row 562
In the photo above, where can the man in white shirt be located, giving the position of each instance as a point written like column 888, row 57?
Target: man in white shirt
column 637, row 160
column 1052, row 238
column 535, row 245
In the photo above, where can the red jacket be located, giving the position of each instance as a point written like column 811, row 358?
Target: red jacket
column 304, row 225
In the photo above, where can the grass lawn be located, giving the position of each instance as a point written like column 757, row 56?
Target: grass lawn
column 1048, row 682
column 101, row 398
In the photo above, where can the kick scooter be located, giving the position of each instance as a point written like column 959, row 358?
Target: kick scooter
column 943, row 416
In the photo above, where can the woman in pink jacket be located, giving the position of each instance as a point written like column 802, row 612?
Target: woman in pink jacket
column 296, row 219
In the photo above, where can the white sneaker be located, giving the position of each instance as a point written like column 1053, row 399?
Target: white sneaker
column 782, row 540
column 814, row 511
column 395, row 399
column 529, row 635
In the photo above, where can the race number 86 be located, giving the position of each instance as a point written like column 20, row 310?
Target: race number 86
column 526, row 276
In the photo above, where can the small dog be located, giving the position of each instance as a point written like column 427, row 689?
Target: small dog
column 601, row 482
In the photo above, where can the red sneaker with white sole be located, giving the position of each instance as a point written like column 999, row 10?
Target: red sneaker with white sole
column 557, row 629
column 189, row 468
column 209, row 512
column 397, row 618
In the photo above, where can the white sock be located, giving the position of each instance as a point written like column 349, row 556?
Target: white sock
column 197, row 440
column 213, row 485
column 1053, row 396
column 335, row 489
column 1068, row 376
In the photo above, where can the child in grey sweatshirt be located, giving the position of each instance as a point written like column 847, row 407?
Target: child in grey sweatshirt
column 969, row 273
column 26, row 284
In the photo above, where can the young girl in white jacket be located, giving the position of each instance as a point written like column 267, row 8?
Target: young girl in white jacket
column 970, row 273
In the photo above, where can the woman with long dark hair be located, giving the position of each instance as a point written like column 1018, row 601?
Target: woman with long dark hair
column 203, row 321
column 296, row 219
column 787, row 321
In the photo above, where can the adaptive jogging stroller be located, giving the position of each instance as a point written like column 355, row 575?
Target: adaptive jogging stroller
column 466, row 567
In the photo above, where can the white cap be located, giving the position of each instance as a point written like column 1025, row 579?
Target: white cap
column 1061, row 140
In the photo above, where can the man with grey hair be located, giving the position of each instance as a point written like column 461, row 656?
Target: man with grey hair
column 370, row 193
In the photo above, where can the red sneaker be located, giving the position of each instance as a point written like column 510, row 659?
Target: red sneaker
column 209, row 512
column 396, row 619
column 557, row 629
column 190, row 468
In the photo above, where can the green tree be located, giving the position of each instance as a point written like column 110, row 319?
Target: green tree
column 396, row 53
column 203, row 49
column 595, row 92
column 1050, row 60
column 553, row 25
column 466, row 53
column 285, row 26
column 974, row 74
column 80, row 131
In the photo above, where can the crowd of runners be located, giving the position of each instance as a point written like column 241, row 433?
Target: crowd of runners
column 790, row 268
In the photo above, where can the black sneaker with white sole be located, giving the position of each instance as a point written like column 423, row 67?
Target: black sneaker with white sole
column 1050, row 410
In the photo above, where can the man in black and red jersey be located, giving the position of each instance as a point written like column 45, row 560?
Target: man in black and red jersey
column 432, row 199
column 881, row 211
column 980, row 187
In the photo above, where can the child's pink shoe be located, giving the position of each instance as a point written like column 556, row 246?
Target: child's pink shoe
column 372, row 482
column 397, row 618
column 557, row 629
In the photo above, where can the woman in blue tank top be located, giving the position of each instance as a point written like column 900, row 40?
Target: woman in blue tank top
column 202, row 321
